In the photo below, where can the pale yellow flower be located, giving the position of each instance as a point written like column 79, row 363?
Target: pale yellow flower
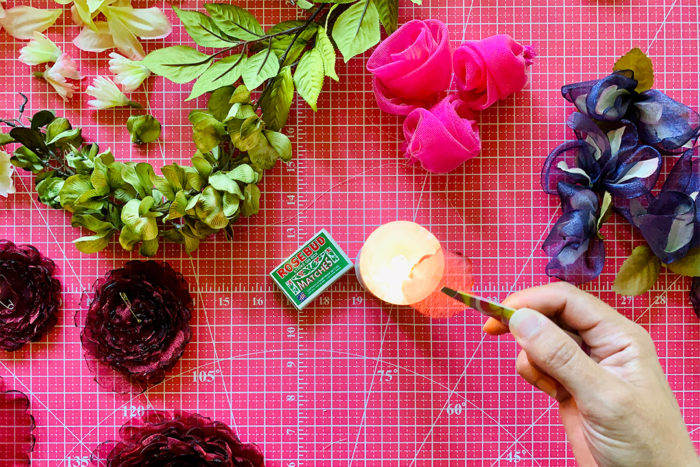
column 58, row 75
column 7, row 186
column 107, row 94
column 128, row 73
column 41, row 49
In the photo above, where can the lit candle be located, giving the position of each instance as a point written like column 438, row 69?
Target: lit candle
column 404, row 264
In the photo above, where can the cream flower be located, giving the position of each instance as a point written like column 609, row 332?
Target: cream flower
column 107, row 95
column 40, row 50
column 7, row 186
column 129, row 73
column 58, row 75
column 21, row 22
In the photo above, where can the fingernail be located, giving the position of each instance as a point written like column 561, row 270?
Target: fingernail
column 547, row 387
column 525, row 323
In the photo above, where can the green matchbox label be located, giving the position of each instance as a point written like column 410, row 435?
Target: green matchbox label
column 312, row 268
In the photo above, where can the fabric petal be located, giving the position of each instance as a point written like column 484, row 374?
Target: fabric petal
column 576, row 197
column 685, row 175
column 21, row 22
column 124, row 40
column 636, row 173
column 577, row 93
column 610, row 97
column 695, row 295
column 391, row 104
column 146, row 23
column 95, row 41
column 664, row 123
column 562, row 165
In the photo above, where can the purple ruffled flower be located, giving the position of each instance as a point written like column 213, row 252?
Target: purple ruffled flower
column 577, row 252
column 611, row 160
column 670, row 221
column 695, row 295
column 663, row 123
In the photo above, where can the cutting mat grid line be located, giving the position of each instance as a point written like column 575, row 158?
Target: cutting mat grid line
column 349, row 381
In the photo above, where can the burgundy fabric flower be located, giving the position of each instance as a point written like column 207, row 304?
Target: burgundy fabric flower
column 412, row 68
column 137, row 325
column 16, row 426
column 441, row 138
column 491, row 69
column 159, row 439
column 30, row 295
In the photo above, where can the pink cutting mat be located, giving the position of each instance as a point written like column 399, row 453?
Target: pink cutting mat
column 349, row 381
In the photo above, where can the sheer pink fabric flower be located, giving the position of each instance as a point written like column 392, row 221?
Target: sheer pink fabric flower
column 59, row 74
column 441, row 138
column 491, row 69
column 412, row 67
column 16, row 426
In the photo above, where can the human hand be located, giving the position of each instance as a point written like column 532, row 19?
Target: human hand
column 616, row 405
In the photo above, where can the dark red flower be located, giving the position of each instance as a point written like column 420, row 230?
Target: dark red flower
column 164, row 440
column 16, row 426
column 30, row 295
column 137, row 325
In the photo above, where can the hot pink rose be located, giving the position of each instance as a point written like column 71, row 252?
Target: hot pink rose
column 412, row 67
column 491, row 69
column 441, row 138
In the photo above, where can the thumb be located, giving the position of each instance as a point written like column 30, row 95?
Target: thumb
column 553, row 351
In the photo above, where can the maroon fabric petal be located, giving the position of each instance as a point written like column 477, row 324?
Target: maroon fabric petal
column 30, row 295
column 16, row 426
column 181, row 439
column 137, row 325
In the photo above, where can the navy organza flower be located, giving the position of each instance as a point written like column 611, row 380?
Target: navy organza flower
column 611, row 160
column 663, row 123
column 695, row 295
column 670, row 220
column 577, row 252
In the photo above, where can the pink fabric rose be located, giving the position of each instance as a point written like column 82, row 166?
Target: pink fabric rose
column 491, row 69
column 412, row 67
column 441, row 138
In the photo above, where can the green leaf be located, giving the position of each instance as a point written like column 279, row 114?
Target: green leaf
column 641, row 66
column 41, row 119
column 143, row 128
column 56, row 127
column 240, row 112
column 638, row 273
column 251, row 203
column 191, row 242
column 207, row 130
column 277, row 101
column 308, row 77
column 5, row 138
column 48, row 190
column 357, row 29
column 94, row 243
column 177, row 207
column 605, row 210
column 259, row 68
column 128, row 238
column 244, row 174
column 388, row 14
column 30, row 138
column 225, row 72
column 202, row 29
column 68, row 136
column 221, row 182
column 26, row 159
column 280, row 143
column 90, row 222
column 240, row 96
column 203, row 166
column 327, row 51
column 231, row 204
column 180, row 64
column 73, row 188
column 145, row 228
column 210, row 209
column 234, row 21
column 689, row 265
column 175, row 175
column 194, row 180
column 149, row 247
column 218, row 103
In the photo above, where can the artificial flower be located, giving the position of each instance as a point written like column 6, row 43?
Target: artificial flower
column 137, row 325
column 577, row 252
column 30, row 295
column 441, row 138
column 161, row 439
column 40, row 50
column 412, row 67
column 58, row 75
column 107, row 95
column 663, row 123
column 611, row 161
column 128, row 73
column 16, row 426
column 23, row 21
column 122, row 29
column 695, row 295
column 7, row 186
column 491, row 69
column 670, row 221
